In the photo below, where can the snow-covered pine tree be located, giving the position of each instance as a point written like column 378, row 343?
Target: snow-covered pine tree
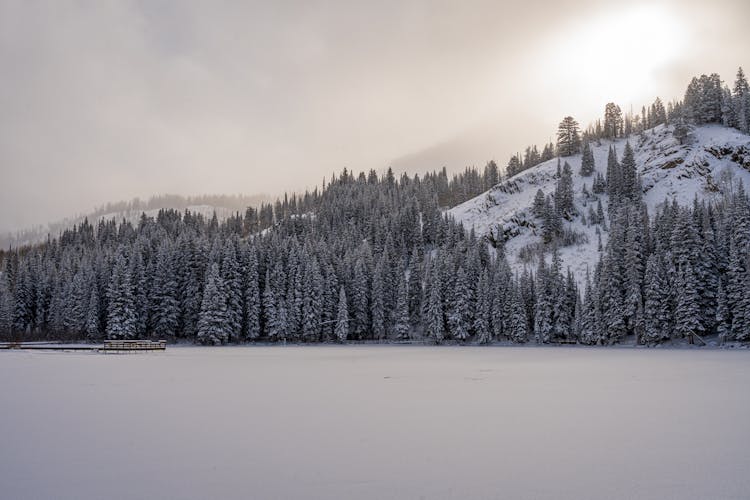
column 568, row 137
column 516, row 324
column 587, row 161
column 630, row 187
column 342, row 318
column 458, row 305
column 252, row 298
column 401, row 322
column 564, row 192
column 599, row 186
column 360, row 301
column 613, row 122
column 482, row 317
column 741, row 102
column 165, row 308
column 723, row 326
column 377, row 302
column 312, row 302
column 614, row 175
column 213, row 324
column 687, row 310
column 92, row 315
column 538, row 206
column 6, row 306
column 231, row 275
column 435, row 325
column 415, row 289
column 121, row 319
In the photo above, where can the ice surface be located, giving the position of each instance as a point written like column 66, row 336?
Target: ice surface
column 376, row 422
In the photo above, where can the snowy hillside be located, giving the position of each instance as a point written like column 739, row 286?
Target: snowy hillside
column 712, row 157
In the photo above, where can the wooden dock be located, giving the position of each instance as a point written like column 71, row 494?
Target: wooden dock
column 109, row 346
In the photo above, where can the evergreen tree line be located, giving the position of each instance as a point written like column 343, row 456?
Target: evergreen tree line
column 376, row 260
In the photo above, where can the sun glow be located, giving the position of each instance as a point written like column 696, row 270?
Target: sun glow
column 617, row 56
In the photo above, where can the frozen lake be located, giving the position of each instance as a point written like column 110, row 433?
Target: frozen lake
column 376, row 422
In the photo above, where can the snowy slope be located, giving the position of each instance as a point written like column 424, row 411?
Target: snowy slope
column 668, row 170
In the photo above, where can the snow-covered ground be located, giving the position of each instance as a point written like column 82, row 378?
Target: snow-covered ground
column 668, row 170
column 375, row 422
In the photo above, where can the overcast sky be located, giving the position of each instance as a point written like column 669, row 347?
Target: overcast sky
column 102, row 101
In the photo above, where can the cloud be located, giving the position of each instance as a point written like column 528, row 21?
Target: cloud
column 109, row 100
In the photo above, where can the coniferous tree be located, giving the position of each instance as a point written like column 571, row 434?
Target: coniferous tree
column 587, row 161
column 568, row 137
column 517, row 329
column 342, row 318
column 741, row 102
column 377, row 303
column 723, row 327
column 564, row 192
column 6, row 306
column 482, row 318
column 457, row 312
column 121, row 320
column 613, row 122
column 213, row 324
column 415, row 290
column 165, row 308
column 402, row 323
column 252, row 299
column 92, row 316
column 434, row 317
column 687, row 311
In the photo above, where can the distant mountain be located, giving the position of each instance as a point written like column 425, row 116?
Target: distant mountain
column 207, row 205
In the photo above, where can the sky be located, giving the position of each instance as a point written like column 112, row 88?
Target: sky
column 109, row 100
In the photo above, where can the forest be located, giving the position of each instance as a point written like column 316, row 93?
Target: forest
column 374, row 257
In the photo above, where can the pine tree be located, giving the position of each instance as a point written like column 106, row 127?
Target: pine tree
column 687, row 311
column 92, row 316
column 312, row 302
column 517, row 329
column 564, row 192
column 121, row 319
column 568, row 137
column 587, row 161
column 741, row 98
column 723, row 326
column 342, row 318
column 614, row 175
column 252, row 299
column 613, row 122
column 543, row 320
column 6, row 305
column 269, row 308
column 482, row 318
column 377, row 302
column 434, row 317
column 630, row 186
column 165, row 312
column 415, row 290
column 457, row 311
column 213, row 324
column 402, row 324
column 538, row 206
column 589, row 328
column 360, row 300
column 231, row 276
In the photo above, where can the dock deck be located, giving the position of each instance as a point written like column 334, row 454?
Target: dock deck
column 109, row 346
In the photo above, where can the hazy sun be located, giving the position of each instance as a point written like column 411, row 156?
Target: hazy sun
column 616, row 55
